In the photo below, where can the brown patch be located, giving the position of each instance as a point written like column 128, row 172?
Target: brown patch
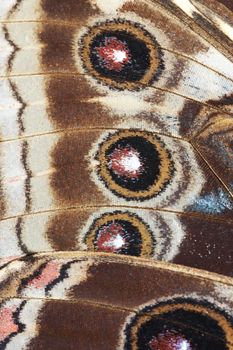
column 2, row 203
column 227, row 3
column 220, row 7
column 215, row 144
column 187, row 117
column 226, row 101
column 9, row 286
column 70, row 105
column 182, row 39
column 66, row 325
column 177, row 74
column 63, row 229
column 157, row 98
column 207, row 245
column 77, row 10
column 71, row 182
column 130, row 286
column 56, row 54
column 2, row 200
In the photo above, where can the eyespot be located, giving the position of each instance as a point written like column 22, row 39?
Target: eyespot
column 121, row 54
column 134, row 164
column 179, row 324
column 121, row 233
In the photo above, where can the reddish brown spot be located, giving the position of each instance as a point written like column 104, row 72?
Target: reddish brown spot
column 169, row 341
column 110, row 238
column 114, row 54
column 126, row 162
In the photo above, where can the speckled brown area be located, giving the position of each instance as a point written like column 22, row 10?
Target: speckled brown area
column 62, row 230
column 57, row 47
column 65, row 325
column 70, row 104
column 183, row 40
column 69, row 9
column 71, row 181
column 142, row 284
column 207, row 243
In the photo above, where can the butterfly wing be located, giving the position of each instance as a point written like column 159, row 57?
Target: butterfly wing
column 116, row 138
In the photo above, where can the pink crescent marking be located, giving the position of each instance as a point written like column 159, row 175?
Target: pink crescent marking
column 49, row 274
column 7, row 323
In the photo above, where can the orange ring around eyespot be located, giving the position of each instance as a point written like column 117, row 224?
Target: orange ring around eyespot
column 139, row 33
column 165, row 172
column 146, row 235
column 157, row 312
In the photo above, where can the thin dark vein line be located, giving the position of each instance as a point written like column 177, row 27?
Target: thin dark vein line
column 131, row 260
column 198, row 62
column 170, row 7
column 77, row 74
column 97, row 207
column 210, row 20
column 75, row 130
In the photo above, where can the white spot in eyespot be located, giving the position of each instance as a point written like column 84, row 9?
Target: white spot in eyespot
column 119, row 55
column 184, row 345
column 117, row 242
column 131, row 162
